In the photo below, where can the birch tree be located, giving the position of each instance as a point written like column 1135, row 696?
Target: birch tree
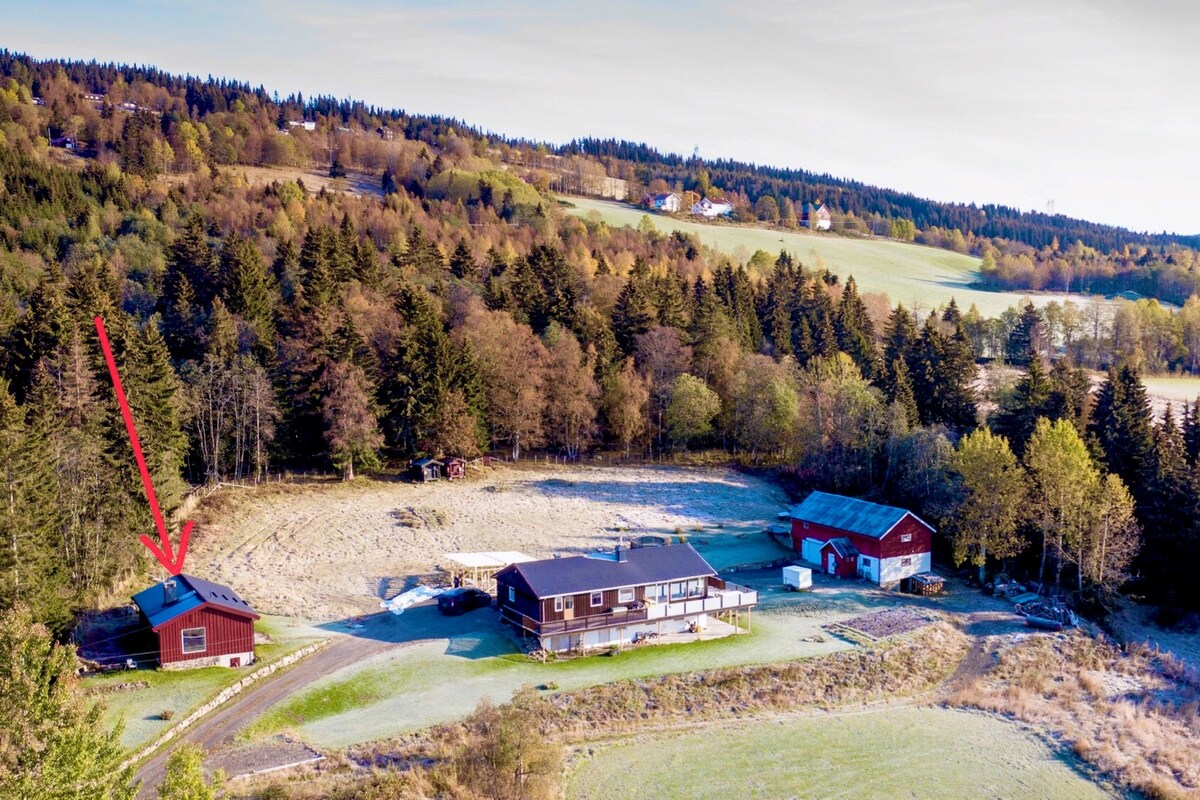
column 985, row 522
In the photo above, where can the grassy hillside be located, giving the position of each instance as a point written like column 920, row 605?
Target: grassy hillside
column 902, row 752
column 912, row 274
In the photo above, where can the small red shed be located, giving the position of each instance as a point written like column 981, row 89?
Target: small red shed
column 197, row 623
column 456, row 468
column 840, row 558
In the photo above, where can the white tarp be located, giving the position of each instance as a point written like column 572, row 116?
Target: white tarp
column 412, row 597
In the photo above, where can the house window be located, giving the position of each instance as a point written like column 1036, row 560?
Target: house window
column 906, row 537
column 558, row 604
column 678, row 590
column 806, row 526
column 695, row 587
column 625, row 595
column 570, row 603
column 512, row 594
column 597, row 599
column 194, row 640
column 906, row 562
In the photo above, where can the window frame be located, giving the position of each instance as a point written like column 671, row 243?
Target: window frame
column 569, row 602
column 558, row 603
column 906, row 561
column 906, row 537
column 596, row 599
column 183, row 637
column 626, row 595
column 512, row 594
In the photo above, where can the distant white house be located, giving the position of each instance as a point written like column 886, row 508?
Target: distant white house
column 662, row 202
column 710, row 208
column 817, row 217
column 298, row 123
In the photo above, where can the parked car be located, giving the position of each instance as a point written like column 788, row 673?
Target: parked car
column 462, row 600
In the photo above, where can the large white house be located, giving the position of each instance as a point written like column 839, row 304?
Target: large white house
column 709, row 208
column 817, row 217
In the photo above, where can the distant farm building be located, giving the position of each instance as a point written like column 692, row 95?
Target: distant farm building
column 850, row 538
column 712, row 208
column 427, row 469
column 456, row 468
column 615, row 598
column 197, row 623
column 669, row 203
column 65, row 142
column 299, row 123
column 816, row 217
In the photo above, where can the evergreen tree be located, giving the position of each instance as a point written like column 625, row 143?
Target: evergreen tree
column 1191, row 431
column 902, row 394
column 462, row 263
column 1030, row 401
column 1122, row 428
column 249, row 291
column 192, row 258
column 1026, row 339
column 632, row 315
column 900, row 341
column 855, row 332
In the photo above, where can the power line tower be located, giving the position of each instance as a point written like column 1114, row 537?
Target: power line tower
column 1050, row 206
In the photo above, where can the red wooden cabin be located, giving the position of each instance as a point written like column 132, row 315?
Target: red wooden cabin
column 197, row 623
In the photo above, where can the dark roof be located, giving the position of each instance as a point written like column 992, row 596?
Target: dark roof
column 842, row 546
column 190, row 593
column 850, row 514
column 578, row 574
column 424, row 462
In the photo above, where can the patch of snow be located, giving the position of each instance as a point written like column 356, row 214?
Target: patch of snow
column 412, row 597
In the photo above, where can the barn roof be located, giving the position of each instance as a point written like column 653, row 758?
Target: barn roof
column 190, row 593
column 850, row 514
column 642, row 565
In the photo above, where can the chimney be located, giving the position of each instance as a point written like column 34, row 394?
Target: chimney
column 168, row 591
column 622, row 554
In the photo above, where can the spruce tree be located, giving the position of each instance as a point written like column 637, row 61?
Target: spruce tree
column 192, row 258
column 462, row 263
column 1122, row 428
column 856, row 333
column 1030, row 400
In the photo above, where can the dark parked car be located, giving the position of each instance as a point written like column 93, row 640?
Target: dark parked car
column 462, row 600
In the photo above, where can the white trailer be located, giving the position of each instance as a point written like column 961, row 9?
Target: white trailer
column 797, row 579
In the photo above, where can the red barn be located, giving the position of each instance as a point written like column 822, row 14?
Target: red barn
column 197, row 623
column 849, row 537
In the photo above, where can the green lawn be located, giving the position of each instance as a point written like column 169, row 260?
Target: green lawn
column 181, row 691
column 911, row 274
column 886, row 754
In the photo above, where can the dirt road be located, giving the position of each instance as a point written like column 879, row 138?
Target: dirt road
column 216, row 731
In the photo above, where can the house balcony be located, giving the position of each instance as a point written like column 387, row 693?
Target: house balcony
column 722, row 596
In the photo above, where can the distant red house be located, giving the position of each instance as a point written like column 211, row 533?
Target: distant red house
column 456, row 468
column 197, row 623
column 848, row 537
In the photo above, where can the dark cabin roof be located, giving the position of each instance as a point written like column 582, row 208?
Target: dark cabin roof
column 842, row 546
column 424, row 462
column 580, row 574
column 190, row 593
column 851, row 514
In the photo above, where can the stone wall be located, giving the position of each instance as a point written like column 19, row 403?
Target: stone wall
column 223, row 697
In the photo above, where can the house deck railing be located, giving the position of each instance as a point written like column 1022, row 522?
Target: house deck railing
column 731, row 596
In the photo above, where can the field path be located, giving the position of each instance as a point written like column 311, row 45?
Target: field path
column 217, row 731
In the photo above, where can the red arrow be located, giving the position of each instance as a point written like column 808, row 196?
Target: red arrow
column 171, row 560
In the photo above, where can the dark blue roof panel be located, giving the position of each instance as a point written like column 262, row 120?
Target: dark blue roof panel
column 848, row 514
column 644, row 565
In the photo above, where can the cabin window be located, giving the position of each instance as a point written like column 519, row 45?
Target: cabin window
column 906, row 562
column 906, row 537
column 678, row 590
column 569, row 603
column 806, row 526
column 695, row 587
column 194, row 640
column 625, row 595
column 512, row 594
column 558, row 604
column 597, row 599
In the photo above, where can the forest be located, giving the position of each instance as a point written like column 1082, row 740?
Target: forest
column 268, row 327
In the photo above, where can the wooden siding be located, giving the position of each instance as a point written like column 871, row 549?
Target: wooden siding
column 226, row 633
column 889, row 546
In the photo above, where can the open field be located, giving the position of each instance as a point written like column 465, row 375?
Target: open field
column 332, row 550
column 314, row 178
column 895, row 752
column 915, row 275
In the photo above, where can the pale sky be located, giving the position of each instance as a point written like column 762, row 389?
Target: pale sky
column 1093, row 104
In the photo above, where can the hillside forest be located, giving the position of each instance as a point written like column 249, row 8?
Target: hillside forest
column 268, row 327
